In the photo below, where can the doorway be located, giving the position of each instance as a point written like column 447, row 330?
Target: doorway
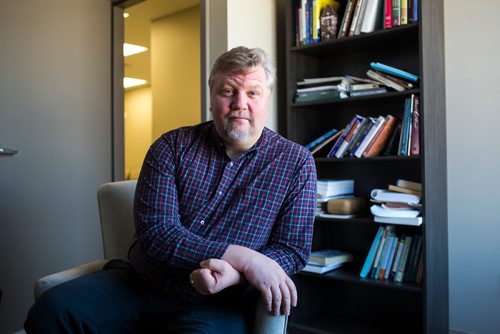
column 161, row 69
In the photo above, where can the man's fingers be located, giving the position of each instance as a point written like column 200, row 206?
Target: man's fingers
column 294, row 298
column 277, row 298
column 285, row 299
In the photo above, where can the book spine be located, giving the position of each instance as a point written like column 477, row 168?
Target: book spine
column 384, row 80
column 303, row 31
column 357, row 29
column 403, row 12
column 369, row 137
column 391, row 148
column 315, row 20
column 383, row 256
column 342, row 149
column 339, row 142
column 387, row 14
column 415, row 133
column 359, row 135
column 321, row 138
column 412, row 271
column 387, row 259
column 371, row 253
column 346, row 20
column 404, row 258
column 380, row 141
column 397, row 258
column 370, row 17
column 394, row 71
column 403, row 142
column 411, row 255
column 380, row 248
column 395, row 13
column 355, row 17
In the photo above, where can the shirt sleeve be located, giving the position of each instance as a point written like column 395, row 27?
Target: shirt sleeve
column 160, row 234
column 291, row 238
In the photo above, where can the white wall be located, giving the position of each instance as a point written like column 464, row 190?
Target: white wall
column 231, row 23
column 55, row 108
column 472, row 47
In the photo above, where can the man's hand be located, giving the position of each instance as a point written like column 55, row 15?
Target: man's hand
column 276, row 288
column 213, row 276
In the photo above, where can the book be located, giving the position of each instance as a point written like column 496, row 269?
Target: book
column 319, row 81
column 394, row 71
column 339, row 141
column 403, row 83
column 404, row 258
column 383, row 254
column 386, row 264
column 412, row 267
column 317, row 269
column 383, row 195
column 403, row 12
column 345, row 206
column 415, row 128
column 391, row 212
column 321, row 138
column 397, row 257
column 392, row 145
column 345, row 142
column 405, row 127
column 387, row 14
column 395, row 15
column 337, row 216
column 325, row 142
column 333, row 187
column 329, row 256
column 346, row 20
column 370, row 91
column 358, row 136
column 371, row 17
column 385, row 81
column 409, row 184
column 319, row 96
column 370, row 135
column 417, row 221
column 411, row 255
column 379, row 142
column 317, row 88
column 396, row 188
column 365, row 270
column 376, row 260
column 356, row 17
column 413, row 11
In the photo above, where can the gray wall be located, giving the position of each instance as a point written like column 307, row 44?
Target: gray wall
column 55, row 104
column 472, row 49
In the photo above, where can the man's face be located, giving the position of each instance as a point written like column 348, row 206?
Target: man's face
column 240, row 105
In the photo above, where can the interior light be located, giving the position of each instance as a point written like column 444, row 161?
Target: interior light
column 132, row 82
column 132, row 49
column 125, row 15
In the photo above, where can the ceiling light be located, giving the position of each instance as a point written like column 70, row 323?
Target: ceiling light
column 132, row 49
column 132, row 82
column 125, row 15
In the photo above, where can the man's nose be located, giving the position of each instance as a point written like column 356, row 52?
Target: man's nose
column 240, row 101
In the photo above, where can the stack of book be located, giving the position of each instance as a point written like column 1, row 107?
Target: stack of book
column 394, row 256
column 328, row 189
column 308, row 16
column 318, row 89
column 399, row 204
column 392, row 77
column 326, row 260
column 364, row 137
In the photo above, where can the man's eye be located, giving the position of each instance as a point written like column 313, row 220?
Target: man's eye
column 227, row 92
column 253, row 93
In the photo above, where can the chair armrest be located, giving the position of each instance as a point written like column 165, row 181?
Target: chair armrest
column 47, row 282
column 266, row 323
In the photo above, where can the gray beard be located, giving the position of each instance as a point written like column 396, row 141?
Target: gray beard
column 235, row 134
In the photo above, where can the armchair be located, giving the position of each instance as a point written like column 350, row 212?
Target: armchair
column 115, row 202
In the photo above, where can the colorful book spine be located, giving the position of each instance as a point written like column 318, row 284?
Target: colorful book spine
column 395, row 15
column 415, row 133
column 381, row 140
column 394, row 71
column 403, row 12
column 405, row 125
column 339, row 142
column 365, row 270
column 387, row 14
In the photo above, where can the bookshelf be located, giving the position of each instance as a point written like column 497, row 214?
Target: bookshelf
column 340, row 301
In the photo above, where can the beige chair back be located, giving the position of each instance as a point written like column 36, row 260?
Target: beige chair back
column 116, row 203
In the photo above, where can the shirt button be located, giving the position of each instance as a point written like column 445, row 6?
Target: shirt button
column 231, row 164
column 202, row 222
column 220, row 192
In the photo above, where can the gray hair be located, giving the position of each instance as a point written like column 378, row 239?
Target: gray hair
column 241, row 60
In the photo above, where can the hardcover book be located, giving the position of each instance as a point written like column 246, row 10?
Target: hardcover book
column 329, row 256
column 377, row 145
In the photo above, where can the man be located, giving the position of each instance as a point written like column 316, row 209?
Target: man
column 222, row 209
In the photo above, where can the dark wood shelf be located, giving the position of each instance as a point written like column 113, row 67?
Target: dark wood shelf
column 351, row 274
column 376, row 39
column 340, row 301
column 327, row 323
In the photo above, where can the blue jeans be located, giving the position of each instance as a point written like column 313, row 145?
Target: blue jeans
column 116, row 300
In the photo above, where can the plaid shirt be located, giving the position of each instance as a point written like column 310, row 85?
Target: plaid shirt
column 192, row 202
